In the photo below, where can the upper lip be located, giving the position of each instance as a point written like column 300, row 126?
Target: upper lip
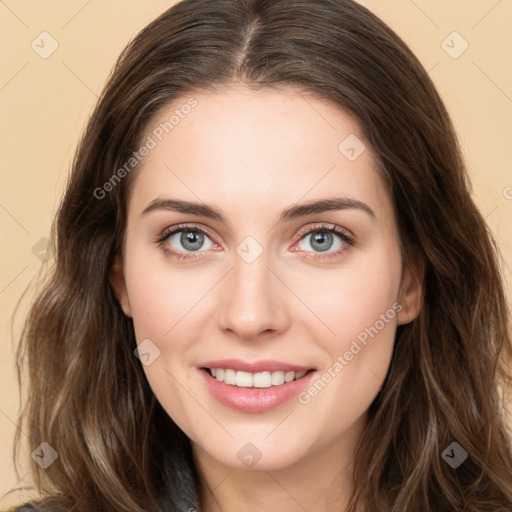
column 255, row 366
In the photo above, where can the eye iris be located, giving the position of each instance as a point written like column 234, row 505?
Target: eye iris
column 192, row 240
column 323, row 238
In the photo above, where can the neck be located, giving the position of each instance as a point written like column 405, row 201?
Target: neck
column 319, row 482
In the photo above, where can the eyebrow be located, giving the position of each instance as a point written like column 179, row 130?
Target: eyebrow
column 293, row 212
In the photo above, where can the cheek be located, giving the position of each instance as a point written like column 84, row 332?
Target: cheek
column 359, row 305
column 360, row 308
column 162, row 302
column 160, row 296
column 364, row 318
column 352, row 299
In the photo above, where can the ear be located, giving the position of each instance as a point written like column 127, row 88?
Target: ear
column 411, row 292
column 118, row 283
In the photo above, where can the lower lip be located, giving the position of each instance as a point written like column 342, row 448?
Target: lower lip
column 254, row 399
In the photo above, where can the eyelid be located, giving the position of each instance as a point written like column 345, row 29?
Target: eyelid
column 178, row 254
column 345, row 234
column 167, row 232
column 327, row 227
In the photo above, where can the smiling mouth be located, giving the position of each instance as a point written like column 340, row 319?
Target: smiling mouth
column 264, row 379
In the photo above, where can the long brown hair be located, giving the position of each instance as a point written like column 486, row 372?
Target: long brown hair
column 88, row 396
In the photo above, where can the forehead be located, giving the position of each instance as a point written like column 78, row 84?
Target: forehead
column 255, row 149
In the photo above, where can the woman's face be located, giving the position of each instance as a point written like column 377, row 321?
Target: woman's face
column 261, row 244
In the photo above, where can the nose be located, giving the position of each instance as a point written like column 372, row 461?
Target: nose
column 254, row 300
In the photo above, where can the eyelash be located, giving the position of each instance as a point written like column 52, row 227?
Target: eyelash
column 347, row 240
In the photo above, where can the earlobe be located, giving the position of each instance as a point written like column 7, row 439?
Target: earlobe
column 411, row 293
column 118, row 283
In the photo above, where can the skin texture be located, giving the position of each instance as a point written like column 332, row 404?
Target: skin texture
column 252, row 155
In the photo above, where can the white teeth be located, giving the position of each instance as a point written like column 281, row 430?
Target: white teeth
column 264, row 379
column 289, row 376
column 243, row 379
column 277, row 378
column 230, row 377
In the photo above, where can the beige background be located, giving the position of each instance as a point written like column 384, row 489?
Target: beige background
column 44, row 104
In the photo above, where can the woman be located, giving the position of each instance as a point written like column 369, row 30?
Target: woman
column 272, row 289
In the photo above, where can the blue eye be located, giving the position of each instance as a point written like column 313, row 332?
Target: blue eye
column 330, row 240
column 187, row 240
column 323, row 240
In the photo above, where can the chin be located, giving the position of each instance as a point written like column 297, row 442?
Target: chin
column 259, row 454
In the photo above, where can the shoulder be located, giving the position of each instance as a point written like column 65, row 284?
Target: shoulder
column 29, row 507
